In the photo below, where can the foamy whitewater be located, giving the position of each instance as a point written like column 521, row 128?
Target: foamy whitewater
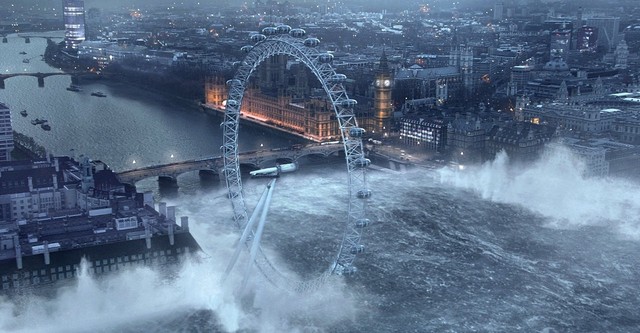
column 142, row 300
column 555, row 188
column 494, row 247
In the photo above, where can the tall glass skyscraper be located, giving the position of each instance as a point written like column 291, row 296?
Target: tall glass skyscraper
column 73, row 13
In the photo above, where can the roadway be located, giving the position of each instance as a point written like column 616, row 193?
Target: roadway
column 396, row 152
column 215, row 163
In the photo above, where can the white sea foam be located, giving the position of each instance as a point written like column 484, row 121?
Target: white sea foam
column 137, row 299
column 554, row 187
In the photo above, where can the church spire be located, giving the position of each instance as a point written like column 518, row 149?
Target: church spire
column 563, row 92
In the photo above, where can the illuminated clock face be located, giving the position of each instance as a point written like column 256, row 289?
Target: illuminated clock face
column 387, row 83
column 377, row 83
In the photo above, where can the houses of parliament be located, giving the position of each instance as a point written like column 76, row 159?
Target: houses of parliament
column 285, row 94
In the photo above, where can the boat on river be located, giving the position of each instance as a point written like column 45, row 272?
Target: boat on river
column 38, row 121
column 25, row 60
column 74, row 87
column 45, row 127
column 23, row 113
column 98, row 94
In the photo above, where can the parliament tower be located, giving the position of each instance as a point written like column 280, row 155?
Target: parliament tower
column 382, row 98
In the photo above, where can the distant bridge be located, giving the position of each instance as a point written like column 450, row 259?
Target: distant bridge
column 74, row 76
column 27, row 39
column 214, row 164
column 38, row 36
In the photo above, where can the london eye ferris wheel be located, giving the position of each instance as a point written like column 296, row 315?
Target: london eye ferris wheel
column 283, row 40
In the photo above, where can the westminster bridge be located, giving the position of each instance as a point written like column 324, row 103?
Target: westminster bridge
column 214, row 164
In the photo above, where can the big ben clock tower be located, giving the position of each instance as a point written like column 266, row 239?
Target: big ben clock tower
column 382, row 98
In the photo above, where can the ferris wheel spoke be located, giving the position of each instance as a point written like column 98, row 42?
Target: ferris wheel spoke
column 283, row 40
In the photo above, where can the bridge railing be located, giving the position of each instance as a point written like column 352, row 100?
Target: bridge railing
column 245, row 157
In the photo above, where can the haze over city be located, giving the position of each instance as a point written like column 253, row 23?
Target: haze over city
column 403, row 4
column 319, row 166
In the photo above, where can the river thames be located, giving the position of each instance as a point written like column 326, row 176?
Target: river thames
column 487, row 249
column 130, row 124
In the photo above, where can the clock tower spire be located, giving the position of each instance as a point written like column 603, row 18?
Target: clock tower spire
column 382, row 98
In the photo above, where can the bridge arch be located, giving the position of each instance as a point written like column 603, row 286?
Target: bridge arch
column 323, row 152
column 131, row 179
column 283, row 41
column 173, row 170
column 39, row 77
column 213, row 165
column 75, row 76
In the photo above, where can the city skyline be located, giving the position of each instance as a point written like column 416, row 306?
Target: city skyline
column 303, row 166
column 438, row 4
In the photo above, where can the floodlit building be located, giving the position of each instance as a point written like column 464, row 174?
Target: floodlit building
column 280, row 97
column 429, row 133
column 587, row 39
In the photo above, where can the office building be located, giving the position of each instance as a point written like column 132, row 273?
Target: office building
column 73, row 14
column 559, row 44
column 498, row 10
column 520, row 76
column 587, row 39
column 6, row 133
column 608, row 28
column 429, row 133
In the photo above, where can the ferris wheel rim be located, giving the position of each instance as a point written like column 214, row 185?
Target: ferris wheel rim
column 342, row 105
